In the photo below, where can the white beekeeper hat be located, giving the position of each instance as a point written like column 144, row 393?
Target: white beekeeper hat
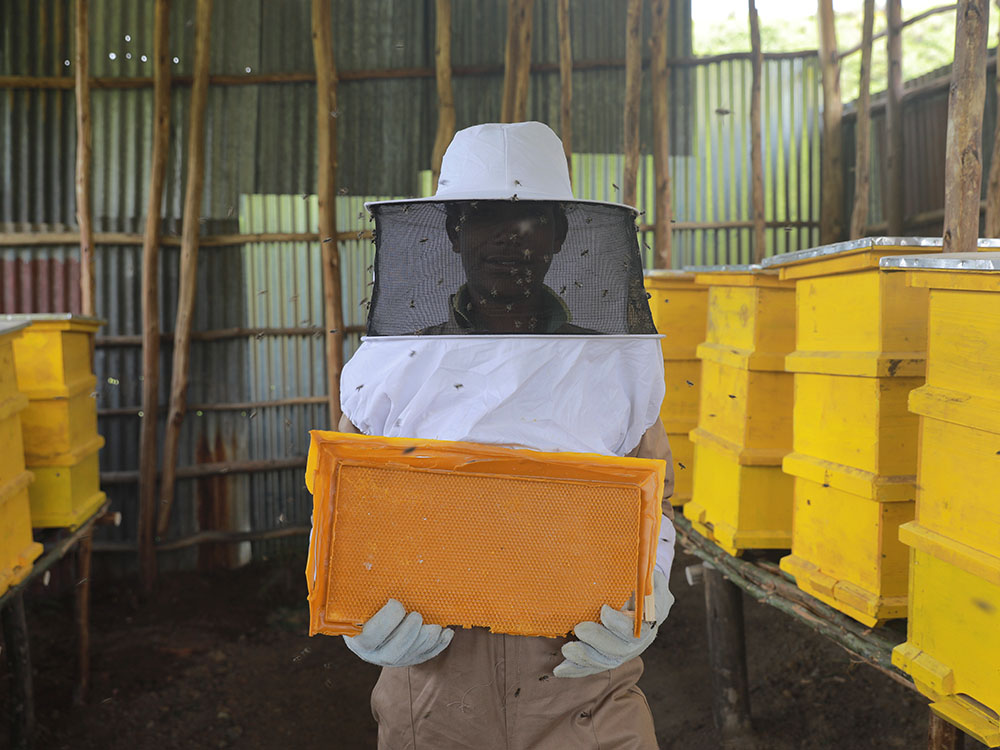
column 504, row 161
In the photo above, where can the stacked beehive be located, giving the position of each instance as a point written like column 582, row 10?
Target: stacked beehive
column 17, row 549
column 953, row 645
column 741, row 498
column 859, row 351
column 679, row 306
column 53, row 361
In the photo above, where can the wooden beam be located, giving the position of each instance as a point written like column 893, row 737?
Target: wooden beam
column 894, row 185
column 565, row 83
column 446, row 97
column 831, row 178
column 84, row 145
column 941, row 735
column 326, row 174
column 81, row 611
column 633, row 89
column 963, row 171
column 660, row 80
column 902, row 25
column 862, row 127
column 727, row 655
column 187, row 276
column 148, row 443
column 510, row 58
column 522, row 81
column 992, row 228
column 26, row 239
column 756, row 146
column 14, row 626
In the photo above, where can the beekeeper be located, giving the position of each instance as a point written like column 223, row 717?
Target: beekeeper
column 564, row 357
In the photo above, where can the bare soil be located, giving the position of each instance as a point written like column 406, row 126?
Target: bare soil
column 221, row 660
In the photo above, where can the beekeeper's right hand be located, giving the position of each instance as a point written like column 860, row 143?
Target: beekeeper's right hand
column 393, row 638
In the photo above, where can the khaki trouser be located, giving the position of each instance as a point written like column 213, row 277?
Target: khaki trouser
column 497, row 692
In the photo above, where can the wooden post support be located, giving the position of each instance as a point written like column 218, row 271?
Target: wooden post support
column 84, row 145
column 832, row 180
column 633, row 88
column 756, row 147
column 151, row 297
column 81, row 602
column 894, row 184
column 660, row 80
column 943, row 736
column 963, row 170
column 22, row 701
column 517, row 60
column 523, row 81
column 565, row 83
column 993, row 185
column 727, row 655
column 862, row 180
column 187, row 276
column 446, row 97
column 326, row 189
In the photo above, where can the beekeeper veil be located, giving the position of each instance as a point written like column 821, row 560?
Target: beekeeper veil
column 506, row 311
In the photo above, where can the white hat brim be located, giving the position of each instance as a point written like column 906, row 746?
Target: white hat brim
column 491, row 195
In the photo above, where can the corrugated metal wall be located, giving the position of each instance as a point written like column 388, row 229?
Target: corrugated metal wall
column 261, row 163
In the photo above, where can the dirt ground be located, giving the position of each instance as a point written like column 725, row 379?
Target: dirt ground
column 221, row 660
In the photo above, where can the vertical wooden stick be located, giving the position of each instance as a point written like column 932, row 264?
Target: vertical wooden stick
column 565, row 83
column 522, row 78
column 326, row 175
column 727, row 655
column 84, row 144
column 633, row 88
column 82, row 612
column 993, row 185
column 660, row 80
column 510, row 58
column 862, row 179
column 963, row 170
column 943, row 736
column 446, row 98
column 756, row 147
column 832, row 180
column 22, row 700
column 894, row 183
column 187, row 277
column 151, row 296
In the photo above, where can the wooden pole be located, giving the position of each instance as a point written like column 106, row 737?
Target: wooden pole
column 660, row 80
column 862, row 179
column 81, row 602
column 727, row 655
column 756, row 147
column 446, row 97
column 188, row 273
column 326, row 175
column 151, row 296
column 84, row 143
column 633, row 88
column 943, row 736
column 22, row 700
column 993, row 184
column 894, row 183
column 565, row 83
column 510, row 58
column 832, row 179
column 523, row 80
column 963, row 170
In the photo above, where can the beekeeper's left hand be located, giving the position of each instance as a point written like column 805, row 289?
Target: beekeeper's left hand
column 611, row 642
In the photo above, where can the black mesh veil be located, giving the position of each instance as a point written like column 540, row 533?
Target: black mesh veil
column 507, row 266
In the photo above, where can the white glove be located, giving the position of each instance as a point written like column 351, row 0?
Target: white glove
column 611, row 643
column 392, row 638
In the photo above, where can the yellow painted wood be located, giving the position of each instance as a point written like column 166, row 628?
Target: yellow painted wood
column 846, row 552
column 54, row 355
column 679, row 305
column 738, row 506
column 679, row 410
column 750, row 313
column 67, row 495
column 17, row 549
column 683, row 452
column 8, row 374
column 54, row 427
column 12, row 450
column 859, row 422
column 952, row 650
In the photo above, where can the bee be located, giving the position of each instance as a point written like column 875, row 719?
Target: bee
column 604, row 293
column 360, row 387
column 585, row 253
column 459, row 386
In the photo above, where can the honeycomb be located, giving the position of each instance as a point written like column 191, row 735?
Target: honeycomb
column 472, row 535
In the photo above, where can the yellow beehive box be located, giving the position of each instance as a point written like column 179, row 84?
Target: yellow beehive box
column 679, row 306
column 740, row 499
column 12, row 404
column 17, row 549
column 53, row 427
column 845, row 549
column 952, row 650
column 67, row 493
column 53, row 357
